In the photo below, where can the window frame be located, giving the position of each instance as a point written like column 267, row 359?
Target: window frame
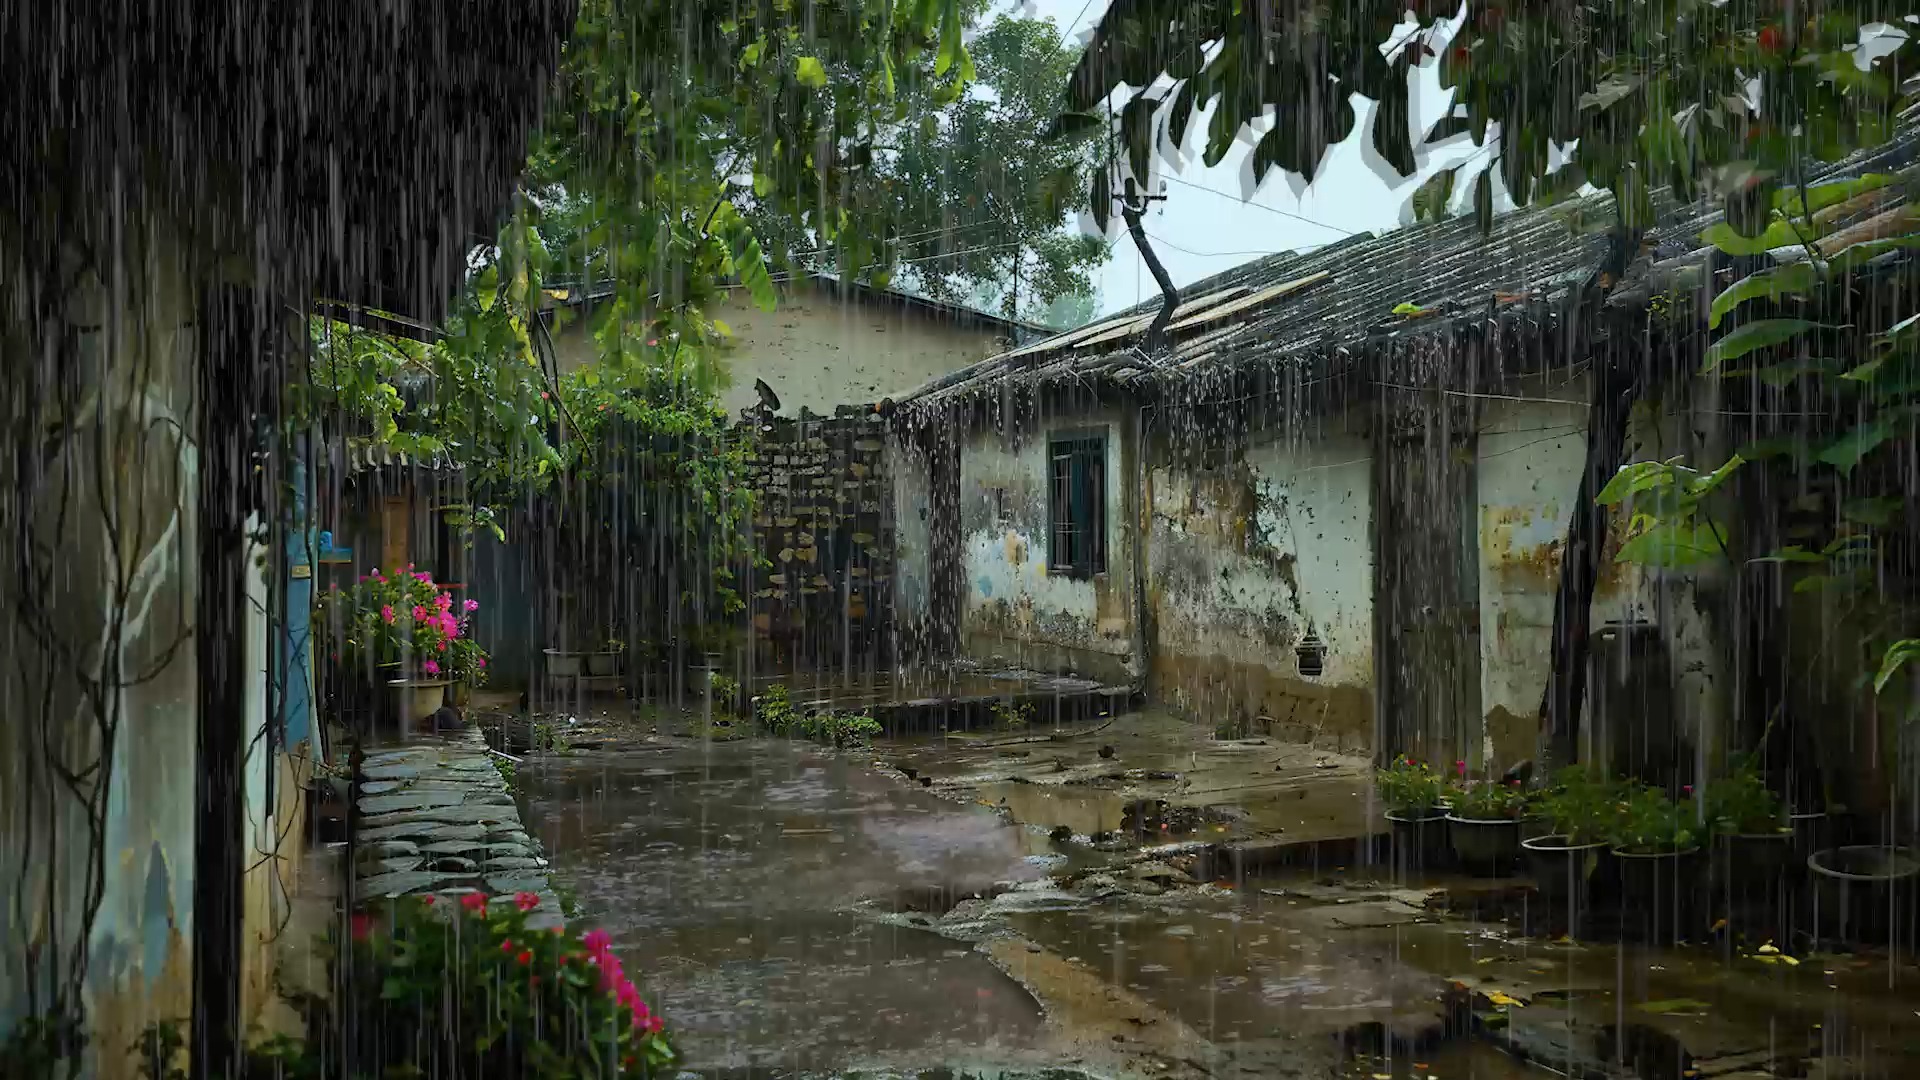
column 1088, row 445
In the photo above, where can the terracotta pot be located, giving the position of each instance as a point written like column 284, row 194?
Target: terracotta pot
column 1485, row 846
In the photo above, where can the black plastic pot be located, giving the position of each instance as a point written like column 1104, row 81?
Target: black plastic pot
column 1485, row 846
column 1658, row 892
column 1419, row 840
column 1562, row 875
column 1755, row 879
column 1866, row 895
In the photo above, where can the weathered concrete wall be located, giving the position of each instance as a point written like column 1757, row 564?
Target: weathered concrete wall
column 825, row 522
column 818, row 351
column 1012, row 608
column 110, row 537
column 1246, row 553
column 909, row 473
column 1669, row 681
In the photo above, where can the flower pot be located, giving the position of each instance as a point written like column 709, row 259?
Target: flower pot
column 1811, row 833
column 1755, row 878
column 566, row 664
column 1657, row 893
column 413, row 702
column 1866, row 895
column 1483, row 845
column 460, row 695
column 1419, row 839
column 1562, row 874
column 603, row 663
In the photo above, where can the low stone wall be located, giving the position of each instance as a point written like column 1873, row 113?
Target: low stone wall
column 825, row 523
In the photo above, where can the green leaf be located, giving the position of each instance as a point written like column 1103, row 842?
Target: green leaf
column 1792, row 553
column 1760, row 334
column 1676, row 545
column 1833, row 193
column 1896, row 657
column 1791, row 280
column 950, row 45
column 1871, row 511
column 1702, row 486
column 808, row 70
column 1777, row 235
column 1483, row 200
column 1635, row 478
column 1845, row 452
column 1610, row 92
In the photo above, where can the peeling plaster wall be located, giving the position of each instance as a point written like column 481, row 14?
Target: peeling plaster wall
column 1530, row 457
column 138, row 365
column 1246, row 552
column 1013, row 609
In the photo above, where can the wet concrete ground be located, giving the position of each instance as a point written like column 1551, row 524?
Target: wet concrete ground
column 918, row 907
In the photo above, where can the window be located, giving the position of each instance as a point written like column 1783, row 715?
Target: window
column 1077, row 505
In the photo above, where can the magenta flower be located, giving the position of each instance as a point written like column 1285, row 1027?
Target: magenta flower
column 430, row 667
column 473, row 605
column 419, row 613
column 483, row 661
column 440, row 647
column 442, row 601
column 597, row 941
column 386, row 612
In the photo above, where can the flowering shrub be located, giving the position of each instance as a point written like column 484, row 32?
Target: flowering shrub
column 467, row 988
column 1489, row 800
column 402, row 617
column 1408, row 785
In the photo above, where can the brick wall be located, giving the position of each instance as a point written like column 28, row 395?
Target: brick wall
column 825, row 522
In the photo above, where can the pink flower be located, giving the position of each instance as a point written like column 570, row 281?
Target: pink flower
column 442, row 601
column 432, row 668
column 409, row 566
column 526, row 901
column 1460, row 768
column 427, row 899
column 440, row 646
column 362, row 927
column 507, row 945
column 419, row 613
column 525, row 957
column 423, row 576
column 386, row 612
column 1687, row 790
column 597, row 941
column 473, row 605
column 655, row 1025
column 473, row 901
column 483, row 662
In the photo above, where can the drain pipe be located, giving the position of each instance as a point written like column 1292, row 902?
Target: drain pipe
column 1142, row 526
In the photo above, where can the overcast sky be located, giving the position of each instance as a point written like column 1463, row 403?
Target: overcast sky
column 1208, row 225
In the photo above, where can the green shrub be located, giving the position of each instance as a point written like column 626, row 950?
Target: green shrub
column 726, row 693
column 1649, row 823
column 1008, row 714
column 1742, row 802
column 1489, row 800
column 1408, row 786
column 774, row 709
column 1583, row 805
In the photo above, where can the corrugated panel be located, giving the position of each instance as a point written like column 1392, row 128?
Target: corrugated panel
column 1261, row 297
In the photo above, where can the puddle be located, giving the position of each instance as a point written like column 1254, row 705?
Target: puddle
column 1084, row 810
column 725, row 873
column 1461, row 1060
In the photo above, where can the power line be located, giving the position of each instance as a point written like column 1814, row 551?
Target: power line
column 1262, row 206
column 1225, row 254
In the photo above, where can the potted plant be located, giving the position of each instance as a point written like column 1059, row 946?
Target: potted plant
column 1749, row 822
column 1655, row 841
column 1413, row 794
column 404, row 627
column 1484, row 824
column 1580, row 807
column 606, row 661
column 468, row 663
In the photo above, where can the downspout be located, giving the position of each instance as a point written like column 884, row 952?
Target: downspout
column 1142, row 516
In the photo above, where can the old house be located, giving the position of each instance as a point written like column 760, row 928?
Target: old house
column 1335, row 504
column 829, row 343
column 158, row 261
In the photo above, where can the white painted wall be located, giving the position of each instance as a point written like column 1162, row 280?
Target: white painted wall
column 1013, row 607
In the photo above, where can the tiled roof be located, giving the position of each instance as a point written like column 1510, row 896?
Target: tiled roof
column 1299, row 307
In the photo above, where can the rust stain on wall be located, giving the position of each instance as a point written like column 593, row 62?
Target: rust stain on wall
column 1513, row 736
column 1254, row 697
